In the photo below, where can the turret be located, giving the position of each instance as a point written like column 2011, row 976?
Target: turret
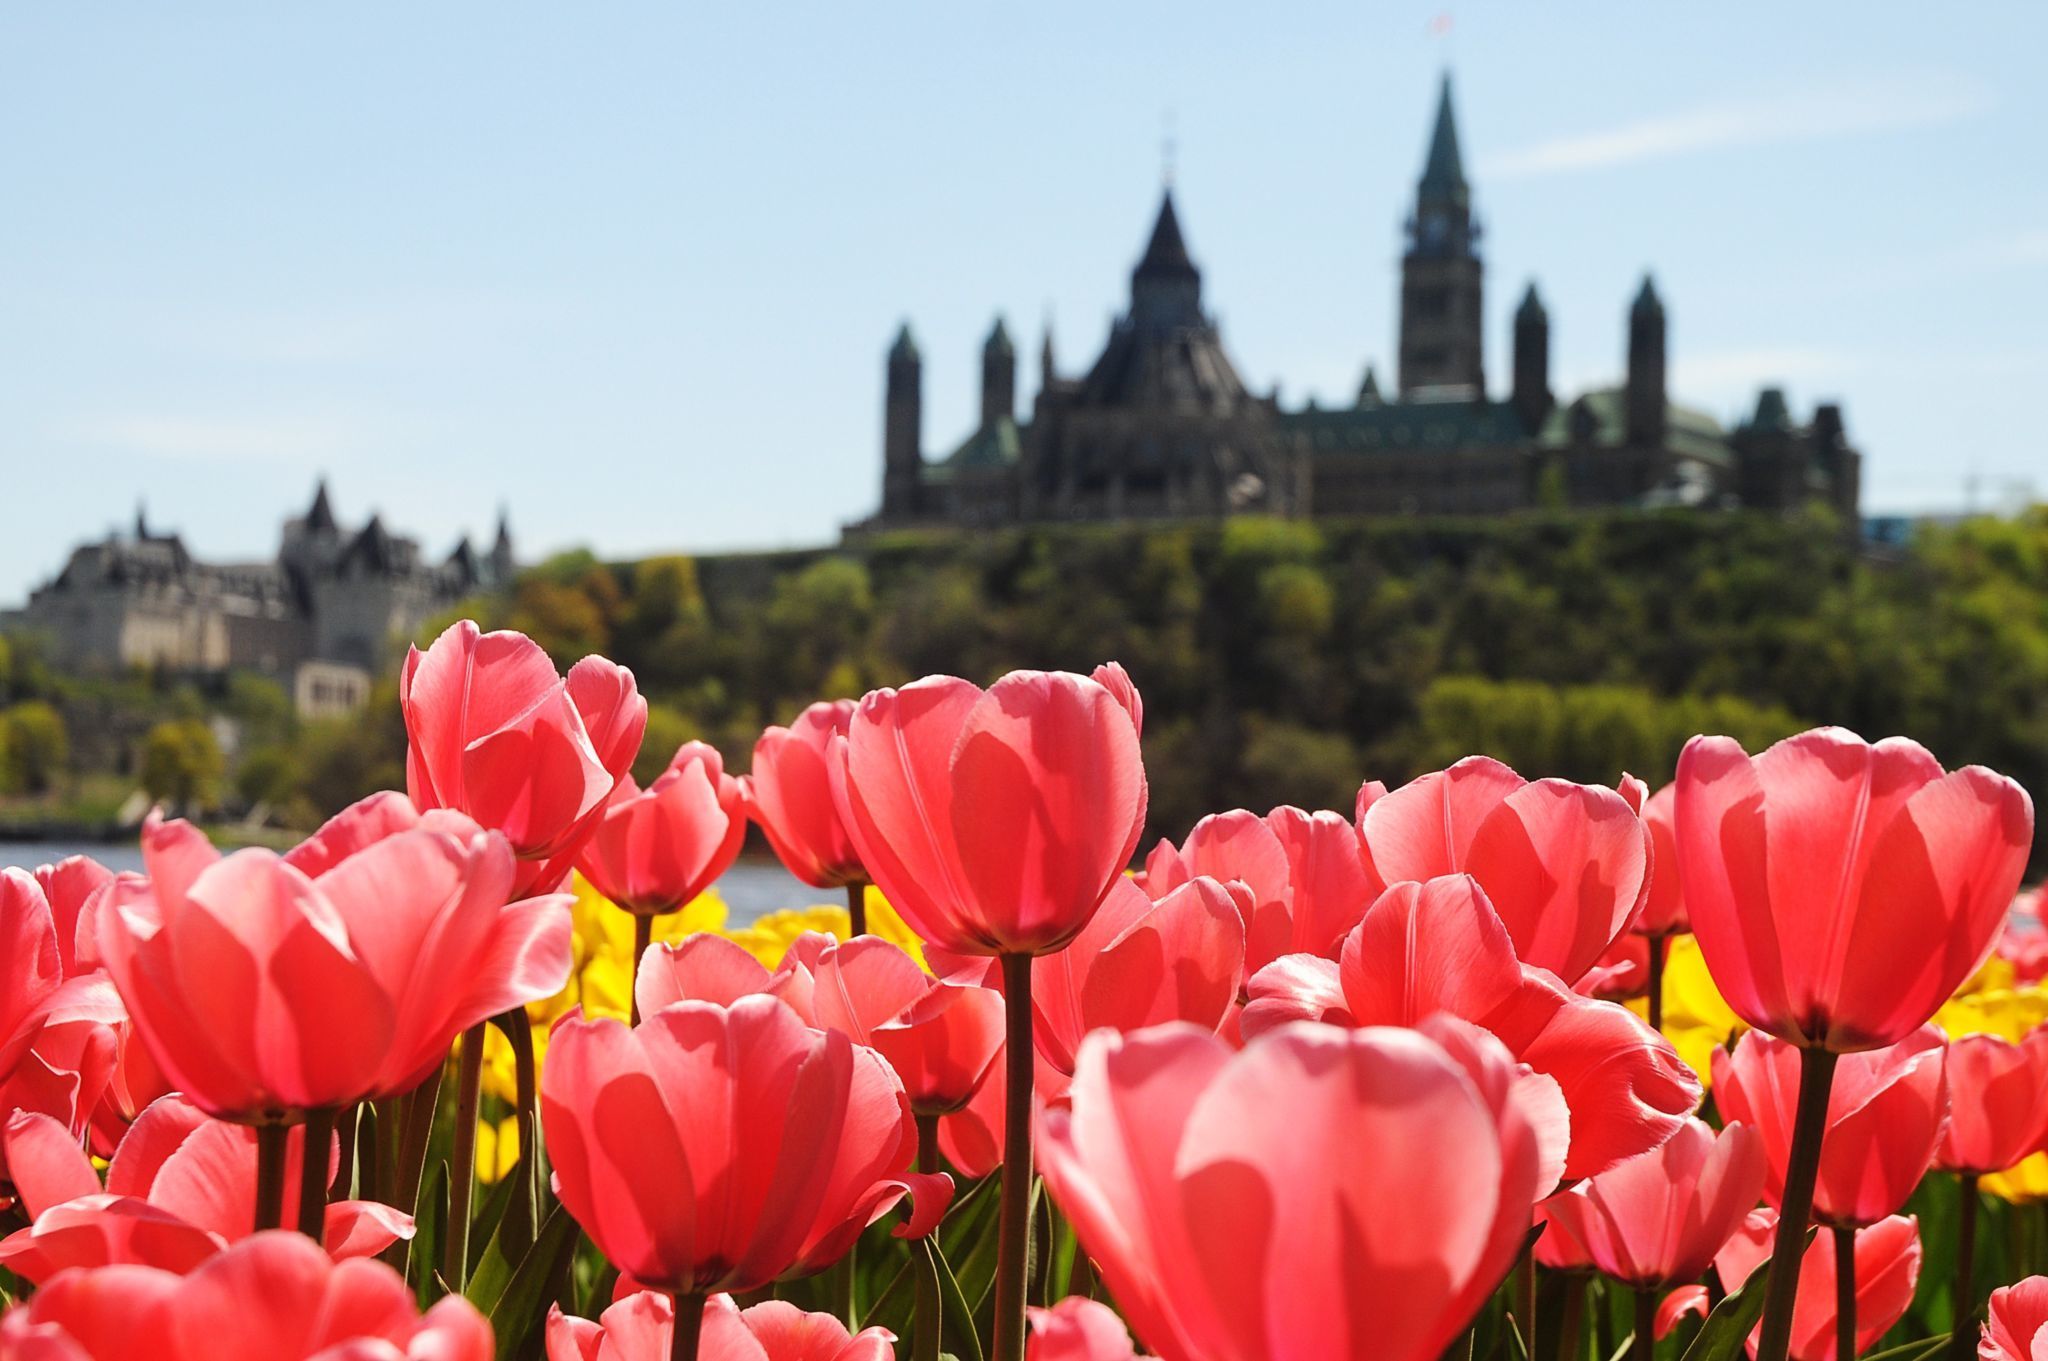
column 998, row 377
column 902, row 427
column 502, row 563
column 1531, row 396
column 1645, row 401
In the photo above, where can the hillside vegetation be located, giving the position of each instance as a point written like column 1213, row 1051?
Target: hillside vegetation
column 1280, row 661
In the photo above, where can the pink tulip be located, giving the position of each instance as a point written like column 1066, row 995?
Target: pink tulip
column 2016, row 1323
column 1306, row 877
column 1439, row 946
column 271, row 1297
column 655, row 850
column 1686, row 1301
column 707, row 968
column 1141, row 963
column 1998, row 1103
column 34, row 961
column 70, row 886
column 994, row 821
column 1112, row 677
column 789, row 792
column 1885, row 1113
column 2024, row 942
column 1566, row 865
column 263, row 991
column 1887, row 1269
column 1657, row 1219
column 1622, row 971
column 641, row 1327
column 1319, row 1194
column 941, row 1038
column 1663, row 912
column 1842, row 891
column 495, row 733
column 719, row 1148
column 1079, row 1329
column 179, row 1189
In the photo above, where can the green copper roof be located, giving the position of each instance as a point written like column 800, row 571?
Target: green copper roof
column 905, row 347
column 1444, row 171
column 1399, row 426
column 1688, row 431
column 1532, row 306
column 999, row 446
column 1647, row 299
column 999, row 339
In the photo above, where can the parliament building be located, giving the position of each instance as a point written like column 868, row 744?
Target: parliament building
column 1161, row 425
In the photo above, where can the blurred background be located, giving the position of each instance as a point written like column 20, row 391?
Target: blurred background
column 1379, row 384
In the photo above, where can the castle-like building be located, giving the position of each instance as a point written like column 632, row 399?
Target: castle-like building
column 1161, row 425
column 328, row 613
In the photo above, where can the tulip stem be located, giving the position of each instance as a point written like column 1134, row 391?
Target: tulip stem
column 411, row 1118
column 925, row 1328
column 345, row 1156
column 1013, row 1244
column 1645, row 1345
column 313, row 1174
column 1571, row 1319
column 1845, row 1293
column 689, row 1324
column 270, row 1151
column 1525, row 1297
column 1795, row 1206
column 643, row 937
column 1963, row 1305
column 469, row 1079
column 857, row 909
column 519, row 1034
column 1658, row 945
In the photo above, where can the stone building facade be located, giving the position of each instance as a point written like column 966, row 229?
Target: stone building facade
column 335, row 603
column 1162, row 425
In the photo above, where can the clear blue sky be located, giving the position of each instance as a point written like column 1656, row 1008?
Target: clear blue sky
column 631, row 268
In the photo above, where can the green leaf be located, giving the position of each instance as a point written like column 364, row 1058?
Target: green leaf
column 958, row 1317
column 516, row 1313
column 492, row 1266
column 423, row 1263
column 1726, row 1332
column 1920, row 1350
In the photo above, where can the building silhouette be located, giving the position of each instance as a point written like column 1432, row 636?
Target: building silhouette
column 1161, row 425
column 333, row 609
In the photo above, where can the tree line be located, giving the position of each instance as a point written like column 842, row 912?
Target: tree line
column 1284, row 661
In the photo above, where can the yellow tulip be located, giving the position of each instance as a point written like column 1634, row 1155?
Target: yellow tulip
column 497, row 1149
column 2023, row 1184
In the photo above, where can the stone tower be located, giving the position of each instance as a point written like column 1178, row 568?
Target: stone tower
column 1441, row 326
column 902, row 427
column 1532, row 397
column 1645, row 398
column 998, row 377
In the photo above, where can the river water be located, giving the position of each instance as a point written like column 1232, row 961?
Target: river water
column 751, row 888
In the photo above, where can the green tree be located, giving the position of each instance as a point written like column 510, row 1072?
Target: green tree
column 181, row 763
column 34, row 746
column 667, row 729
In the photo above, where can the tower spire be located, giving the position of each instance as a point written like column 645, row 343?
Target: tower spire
column 1443, row 173
column 1442, row 277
